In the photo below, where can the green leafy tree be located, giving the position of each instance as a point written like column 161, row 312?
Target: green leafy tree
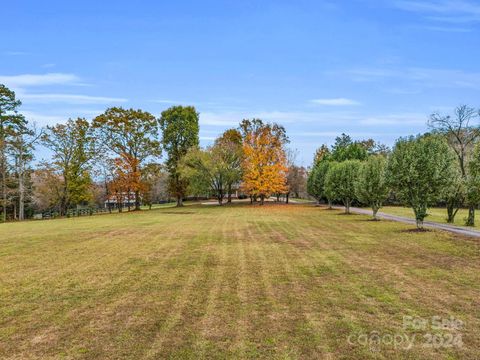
column 461, row 132
column 455, row 195
column 11, row 123
column 22, row 149
column 180, row 128
column 473, row 185
column 313, row 187
column 129, row 132
column 206, row 171
column 316, row 181
column 73, row 148
column 229, row 148
column 213, row 169
column 371, row 186
column 420, row 171
column 340, row 181
column 346, row 149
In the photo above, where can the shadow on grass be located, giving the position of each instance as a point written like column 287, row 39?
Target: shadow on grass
column 415, row 230
column 178, row 212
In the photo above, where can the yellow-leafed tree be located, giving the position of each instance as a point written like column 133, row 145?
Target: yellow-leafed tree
column 264, row 160
column 127, row 181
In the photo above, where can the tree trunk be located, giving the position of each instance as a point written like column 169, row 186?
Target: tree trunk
column 347, row 206
column 262, row 199
column 451, row 212
column 63, row 200
column 419, row 224
column 137, row 200
column 287, row 196
column 229, row 196
column 4, row 180
column 278, row 197
column 420, row 215
column 329, row 204
column 375, row 210
column 21, row 184
column 251, row 199
column 179, row 200
column 21, row 200
column 471, row 216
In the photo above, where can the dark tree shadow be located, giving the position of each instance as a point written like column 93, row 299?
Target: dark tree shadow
column 416, row 230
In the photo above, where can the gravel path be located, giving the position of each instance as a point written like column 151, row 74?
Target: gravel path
column 429, row 224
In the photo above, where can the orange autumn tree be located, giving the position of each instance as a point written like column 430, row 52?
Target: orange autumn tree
column 264, row 160
column 127, row 179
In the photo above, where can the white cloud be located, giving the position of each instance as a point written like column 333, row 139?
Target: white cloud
column 20, row 83
column 395, row 119
column 43, row 119
column 220, row 119
column 59, row 115
column 166, row 101
column 334, row 134
column 453, row 11
column 447, row 29
column 420, row 77
column 16, row 53
column 335, row 102
column 27, row 80
column 69, row 98
column 233, row 118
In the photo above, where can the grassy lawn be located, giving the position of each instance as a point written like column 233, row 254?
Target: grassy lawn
column 278, row 281
column 434, row 214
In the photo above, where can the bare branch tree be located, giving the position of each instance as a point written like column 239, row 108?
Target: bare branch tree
column 462, row 132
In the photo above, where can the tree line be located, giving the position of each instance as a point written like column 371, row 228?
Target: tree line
column 114, row 159
column 440, row 167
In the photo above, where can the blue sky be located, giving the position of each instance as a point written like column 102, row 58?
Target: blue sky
column 364, row 67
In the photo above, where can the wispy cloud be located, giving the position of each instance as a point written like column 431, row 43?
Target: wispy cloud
column 334, row 134
column 23, row 83
column 233, row 118
column 28, row 80
column 42, row 119
column 166, row 101
column 421, row 77
column 452, row 11
column 70, row 99
column 225, row 119
column 15, row 53
column 335, row 102
column 59, row 115
column 446, row 29
column 395, row 119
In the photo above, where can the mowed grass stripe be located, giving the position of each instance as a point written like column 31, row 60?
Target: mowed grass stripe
column 186, row 305
column 284, row 282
